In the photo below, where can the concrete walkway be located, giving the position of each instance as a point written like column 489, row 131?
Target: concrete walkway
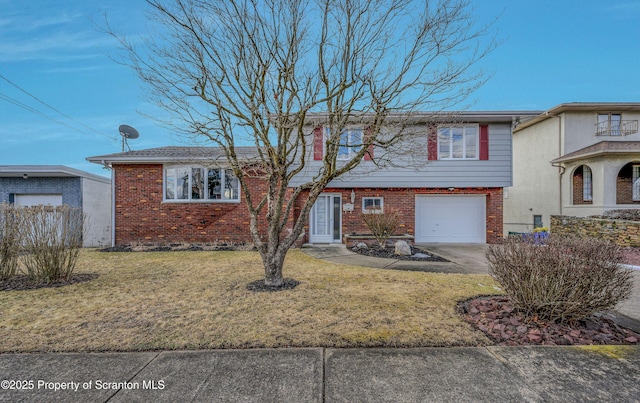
column 463, row 258
column 491, row 374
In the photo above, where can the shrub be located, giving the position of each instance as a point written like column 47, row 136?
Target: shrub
column 382, row 225
column 9, row 241
column 52, row 242
column 564, row 279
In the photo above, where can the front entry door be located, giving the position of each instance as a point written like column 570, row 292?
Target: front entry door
column 325, row 219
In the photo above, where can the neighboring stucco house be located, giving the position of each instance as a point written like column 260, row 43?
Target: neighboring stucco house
column 447, row 189
column 28, row 185
column 576, row 159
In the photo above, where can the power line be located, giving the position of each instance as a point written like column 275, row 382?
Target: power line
column 42, row 114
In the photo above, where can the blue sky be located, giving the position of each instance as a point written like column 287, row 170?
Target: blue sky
column 552, row 52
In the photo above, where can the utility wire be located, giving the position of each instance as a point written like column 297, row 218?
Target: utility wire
column 42, row 114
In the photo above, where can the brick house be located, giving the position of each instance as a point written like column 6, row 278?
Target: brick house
column 576, row 159
column 447, row 188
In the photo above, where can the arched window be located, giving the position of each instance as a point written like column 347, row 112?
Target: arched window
column 582, row 185
column 628, row 184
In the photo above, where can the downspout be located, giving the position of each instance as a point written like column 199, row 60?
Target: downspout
column 113, row 201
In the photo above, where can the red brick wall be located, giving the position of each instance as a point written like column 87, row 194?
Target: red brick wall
column 403, row 200
column 141, row 216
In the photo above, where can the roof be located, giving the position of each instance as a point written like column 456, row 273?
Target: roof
column 601, row 148
column 47, row 171
column 446, row 116
column 580, row 107
column 172, row 154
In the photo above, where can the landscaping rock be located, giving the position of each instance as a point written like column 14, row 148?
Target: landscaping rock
column 402, row 249
column 421, row 255
column 495, row 317
column 362, row 245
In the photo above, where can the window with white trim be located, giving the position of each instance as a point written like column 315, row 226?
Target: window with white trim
column 587, row 184
column 458, row 142
column 372, row 204
column 350, row 143
column 636, row 182
column 189, row 183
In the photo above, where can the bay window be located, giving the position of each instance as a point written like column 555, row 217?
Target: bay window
column 191, row 183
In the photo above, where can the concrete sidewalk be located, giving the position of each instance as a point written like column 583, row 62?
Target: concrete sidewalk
column 505, row 374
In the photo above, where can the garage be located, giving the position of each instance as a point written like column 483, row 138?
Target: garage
column 38, row 199
column 451, row 219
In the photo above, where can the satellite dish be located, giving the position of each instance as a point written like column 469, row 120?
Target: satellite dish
column 127, row 132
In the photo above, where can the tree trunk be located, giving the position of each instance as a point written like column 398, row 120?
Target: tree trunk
column 273, row 260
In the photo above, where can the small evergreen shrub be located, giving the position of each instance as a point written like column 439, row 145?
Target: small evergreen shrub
column 563, row 279
column 9, row 241
column 382, row 224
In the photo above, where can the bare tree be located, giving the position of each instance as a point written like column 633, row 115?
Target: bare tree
column 259, row 72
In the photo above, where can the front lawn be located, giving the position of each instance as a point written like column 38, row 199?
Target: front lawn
column 199, row 300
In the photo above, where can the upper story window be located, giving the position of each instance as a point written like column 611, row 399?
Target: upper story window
column 609, row 124
column 350, row 143
column 458, row 142
column 188, row 183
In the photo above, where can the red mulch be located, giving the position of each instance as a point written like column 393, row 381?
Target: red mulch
column 501, row 323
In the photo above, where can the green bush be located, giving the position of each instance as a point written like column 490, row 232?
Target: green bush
column 563, row 279
column 52, row 242
column 9, row 241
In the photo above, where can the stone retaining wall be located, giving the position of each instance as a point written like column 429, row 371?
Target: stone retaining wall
column 622, row 232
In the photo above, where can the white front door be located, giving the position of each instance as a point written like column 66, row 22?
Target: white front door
column 325, row 219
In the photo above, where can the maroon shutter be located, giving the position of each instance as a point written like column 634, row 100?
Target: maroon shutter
column 368, row 156
column 318, row 143
column 432, row 142
column 484, row 142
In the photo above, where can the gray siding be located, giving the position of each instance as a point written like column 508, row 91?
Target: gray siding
column 494, row 172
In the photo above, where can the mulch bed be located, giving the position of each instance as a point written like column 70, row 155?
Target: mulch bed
column 389, row 253
column 496, row 318
column 174, row 248
column 260, row 286
column 22, row 282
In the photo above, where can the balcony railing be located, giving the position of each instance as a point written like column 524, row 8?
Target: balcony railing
column 621, row 128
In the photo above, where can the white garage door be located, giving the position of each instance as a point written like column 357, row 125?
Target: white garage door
column 450, row 219
column 35, row 200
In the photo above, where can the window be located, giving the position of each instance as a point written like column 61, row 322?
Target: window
column 582, row 183
column 609, row 124
column 636, row 183
column 197, row 183
column 350, row 144
column 587, row 184
column 537, row 221
column 372, row 205
column 458, row 142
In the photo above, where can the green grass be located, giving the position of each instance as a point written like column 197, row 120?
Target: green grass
column 199, row 300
